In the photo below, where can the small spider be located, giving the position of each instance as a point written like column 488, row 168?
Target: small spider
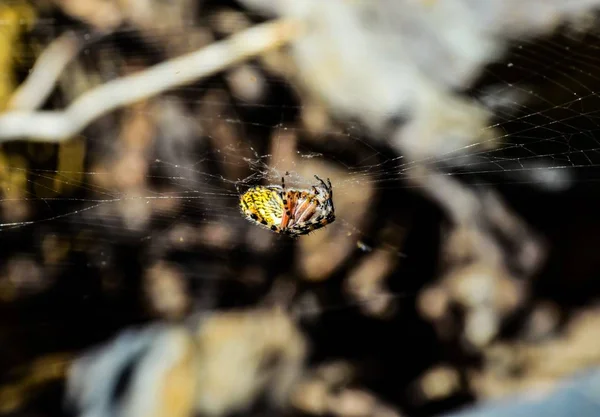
column 289, row 211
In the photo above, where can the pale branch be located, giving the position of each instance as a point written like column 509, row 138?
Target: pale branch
column 57, row 126
column 34, row 91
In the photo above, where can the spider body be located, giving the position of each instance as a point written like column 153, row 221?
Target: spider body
column 291, row 212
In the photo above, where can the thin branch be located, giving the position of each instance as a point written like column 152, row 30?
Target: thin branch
column 57, row 126
column 47, row 69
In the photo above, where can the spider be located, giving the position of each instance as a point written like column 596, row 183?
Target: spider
column 290, row 212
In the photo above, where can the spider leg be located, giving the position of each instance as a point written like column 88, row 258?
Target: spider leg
column 287, row 203
column 330, row 197
column 305, row 209
column 289, row 206
column 313, row 225
column 283, row 193
column 325, row 185
column 321, row 181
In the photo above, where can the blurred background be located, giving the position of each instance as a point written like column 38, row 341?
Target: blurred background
column 461, row 139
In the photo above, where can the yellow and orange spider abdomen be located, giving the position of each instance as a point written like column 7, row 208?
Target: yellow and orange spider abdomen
column 263, row 205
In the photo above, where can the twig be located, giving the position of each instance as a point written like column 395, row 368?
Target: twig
column 42, row 79
column 57, row 126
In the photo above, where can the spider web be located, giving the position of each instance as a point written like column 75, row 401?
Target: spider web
column 182, row 180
